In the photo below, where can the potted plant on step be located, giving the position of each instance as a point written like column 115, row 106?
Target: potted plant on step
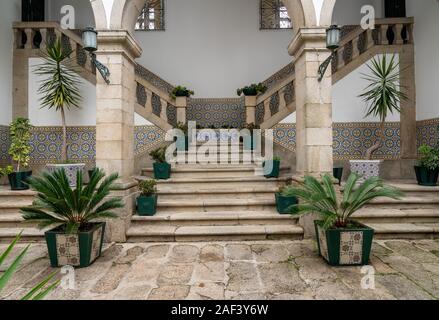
column 252, row 90
column 162, row 169
column 181, row 92
column 284, row 201
column 59, row 90
column 147, row 201
column 382, row 96
column 275, row 168
column 75, row 213
column 20, row 132
column 341, row 240
column 427, row 168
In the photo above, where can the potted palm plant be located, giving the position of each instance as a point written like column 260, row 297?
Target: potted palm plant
column 162, row 169
column 75, row 213
column 147, row 201
column 275, row 168
column 382, row 97
column 285, row 201
column 59, row 90
column 341, row 240
column 427, row 168
column 20, row 153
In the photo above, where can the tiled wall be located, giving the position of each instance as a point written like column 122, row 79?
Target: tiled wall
column 428, row 132
column 4, row 144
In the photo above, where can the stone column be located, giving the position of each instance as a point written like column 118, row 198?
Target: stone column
column 313, row 103
column 181, row 105
column 250, row 109
column 115, row 120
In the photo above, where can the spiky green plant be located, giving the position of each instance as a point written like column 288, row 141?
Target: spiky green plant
column 41, row 290
column 59, row 87
column 57, row 204
column 383, row 94
column 336, row 211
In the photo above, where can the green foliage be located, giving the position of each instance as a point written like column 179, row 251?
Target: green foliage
column 183, row 127
column 41, row 290
column 58, row 204
column 20, row 136
column 335, row 211
column 159, row 155
column 276, row 158
column 59, row 88
column 6, row 171
column 428, row 157
column 252, row 90
column 180, row 91
column 148, row 187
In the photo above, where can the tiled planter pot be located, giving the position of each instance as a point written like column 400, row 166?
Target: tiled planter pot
column 147, row 206
column 71, row 170
column 345, row 247
column 162, row 171
column 17, row 180
column 283, row 203
column 426, row 177
column 274, row 171
column 366, row 168
column 76, row 250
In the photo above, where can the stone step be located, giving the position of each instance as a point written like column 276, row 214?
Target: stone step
column 216, row 194
column 409, row 231
column 13, row 206
column 412, row 189
column 213, row 233
column 214, row 219
column 377, row 215
column 14, row 220
column 10, row 196
column 28, row 234
column 408, row 202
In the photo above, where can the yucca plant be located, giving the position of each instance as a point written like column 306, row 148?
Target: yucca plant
column 383, row 94
column 59, row 88
column 41, row 290
column 57, row 204
column 336, row 211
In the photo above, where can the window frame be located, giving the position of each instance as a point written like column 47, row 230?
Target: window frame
column 278, row 18
column 163, row 13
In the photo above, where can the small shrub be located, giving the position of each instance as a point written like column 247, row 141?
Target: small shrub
column 20, row 148
column 6, row 171
column 181, row 91
column 428, row 157
column 148, row 188
column 159, row 155
column 252, row 90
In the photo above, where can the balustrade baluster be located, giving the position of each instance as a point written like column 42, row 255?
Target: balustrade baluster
column 28, row 32
column 43, row 44
column 369, row 39
column 383, row 35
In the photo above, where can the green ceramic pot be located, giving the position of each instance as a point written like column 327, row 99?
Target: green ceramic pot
column 162, row 171
column 274, row 171
column 147, row 206
column 426, row 177
column 18, row 180
column 283, row 203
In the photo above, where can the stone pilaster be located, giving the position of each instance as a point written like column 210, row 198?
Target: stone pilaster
column 181, row 105
column 250, row 109
column 313, row 103
column 20, row 82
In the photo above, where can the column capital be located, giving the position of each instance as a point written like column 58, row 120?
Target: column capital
column 307, row 39
column 118, row 42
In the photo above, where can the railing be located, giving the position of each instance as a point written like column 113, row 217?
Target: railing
column 388, row 36
column 33, row 37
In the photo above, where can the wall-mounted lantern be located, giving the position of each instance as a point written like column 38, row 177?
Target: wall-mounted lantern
column 332, row 43
column 90, row 43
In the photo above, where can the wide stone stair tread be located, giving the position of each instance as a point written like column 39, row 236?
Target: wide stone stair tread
column 405, row 230
column 396, row 213
column 14, row 204
column 28, row 234
column 214, row 179
column 412, row 186
column 428, row 199
column 216, row 202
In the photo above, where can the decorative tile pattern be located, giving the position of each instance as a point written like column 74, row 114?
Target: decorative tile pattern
column 171, row 114
column 365, row 169
column 5, row 142
column 154, row 79
column 279, row 76
column 260, row 113
column 217, row 112
column 67, row 248
column 146, row 137
column 351, row 247
column 428, row 132
column 71, row 171
column 141, row 94
column 156, row 105
column 323, row 243
column 274, row 103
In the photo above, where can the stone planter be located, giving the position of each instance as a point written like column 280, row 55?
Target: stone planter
column 162, row 171
column 345, row 247
column 366, row 168
column 76, row 250
column 426, row 177
column 283, row 203
column 71, row 170
column 274, row 170
column 17, row 180
column 147, row 206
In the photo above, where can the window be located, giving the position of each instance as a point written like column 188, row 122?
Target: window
column 274, row 15
column 152, row 17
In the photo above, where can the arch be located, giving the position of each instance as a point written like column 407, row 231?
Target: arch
column 302, row 12
column 99, row 14
column 327, row 11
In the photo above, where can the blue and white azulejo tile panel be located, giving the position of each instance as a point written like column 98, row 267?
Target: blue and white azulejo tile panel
column 428, row 132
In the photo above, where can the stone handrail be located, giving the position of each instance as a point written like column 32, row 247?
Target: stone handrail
column 33, row 37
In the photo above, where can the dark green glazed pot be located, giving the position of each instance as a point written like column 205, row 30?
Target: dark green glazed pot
column 283, row 203
column 275, row 170
column 338, row 174
column 162, row 171
column 345, row 247
column 77, row 250
column 17, row 180
column 147, row 206
column 426, row 177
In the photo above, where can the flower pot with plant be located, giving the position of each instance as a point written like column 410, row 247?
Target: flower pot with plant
column 59, row 90
column 181, row 92
column 162, row 169
column 427, row 168
column 272, row 171
column 147, row 201
column 75, row 213
column 20, row 132
column 382, row 96
column 341, row 240
column 252, row 90
column 284, row 201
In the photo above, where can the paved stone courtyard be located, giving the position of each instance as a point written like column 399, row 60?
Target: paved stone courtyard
column 244, row 270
